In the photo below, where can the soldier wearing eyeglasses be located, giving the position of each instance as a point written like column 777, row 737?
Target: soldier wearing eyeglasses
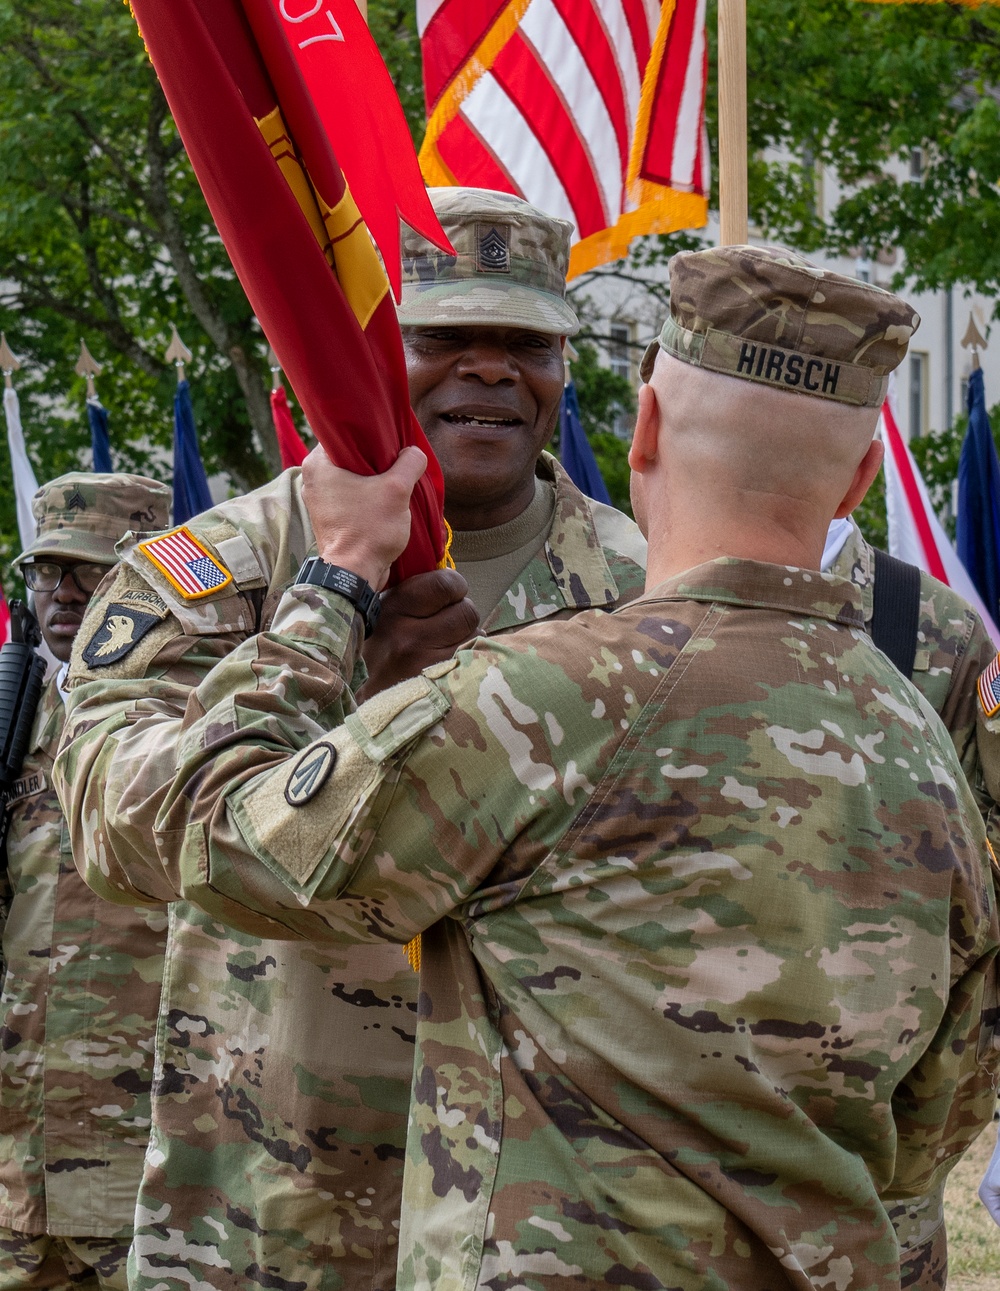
column 82, row 986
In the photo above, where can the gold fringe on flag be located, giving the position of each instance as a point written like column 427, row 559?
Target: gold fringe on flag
column 435, row 172
column 658, row 208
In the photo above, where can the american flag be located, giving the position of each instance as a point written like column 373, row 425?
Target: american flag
column 593, row 110
column 185, row 563
column 989, row 688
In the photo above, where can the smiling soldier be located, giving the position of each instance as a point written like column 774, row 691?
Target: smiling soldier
column 82, row 986
column 279, row 1116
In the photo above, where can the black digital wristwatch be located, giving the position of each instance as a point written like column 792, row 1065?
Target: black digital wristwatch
column 352, row 587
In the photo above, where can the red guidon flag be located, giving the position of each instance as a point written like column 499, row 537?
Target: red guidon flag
column 593, row 110
column 260, row 90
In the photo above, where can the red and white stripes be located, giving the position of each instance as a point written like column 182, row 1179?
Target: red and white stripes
column 543, row 98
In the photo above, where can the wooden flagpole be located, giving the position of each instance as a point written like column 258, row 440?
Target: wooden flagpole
column 733, row 121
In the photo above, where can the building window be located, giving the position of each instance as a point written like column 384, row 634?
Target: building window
column 916, row 163
column 919, row 401
column 620, row 356
column 863, row 268
column 618, row 350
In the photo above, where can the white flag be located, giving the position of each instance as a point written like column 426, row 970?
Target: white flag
column 915, row 533
column 25, row 484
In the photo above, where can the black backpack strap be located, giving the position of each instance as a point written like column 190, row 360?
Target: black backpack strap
column 896, row 610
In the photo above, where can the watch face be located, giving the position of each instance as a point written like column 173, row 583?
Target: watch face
column 342, row 581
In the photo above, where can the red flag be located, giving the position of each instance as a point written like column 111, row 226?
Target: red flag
column 293, row 231
column 290, row 445
column 356, row 105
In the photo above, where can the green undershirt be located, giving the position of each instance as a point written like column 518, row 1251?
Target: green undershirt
column 491, row 559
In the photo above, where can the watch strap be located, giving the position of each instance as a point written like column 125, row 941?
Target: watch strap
column 352, row 587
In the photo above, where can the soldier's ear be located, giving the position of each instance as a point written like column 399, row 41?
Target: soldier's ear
column 864, row 476
column 646, row 437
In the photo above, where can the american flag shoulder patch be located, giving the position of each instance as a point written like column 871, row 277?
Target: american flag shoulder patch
column 989, row 688
column 186, row 564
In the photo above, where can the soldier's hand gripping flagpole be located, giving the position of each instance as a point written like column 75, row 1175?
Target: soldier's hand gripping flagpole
column 256, row 118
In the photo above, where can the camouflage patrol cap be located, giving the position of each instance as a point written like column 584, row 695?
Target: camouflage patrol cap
column 82, row 515
column 768, row 315
column 509, row 267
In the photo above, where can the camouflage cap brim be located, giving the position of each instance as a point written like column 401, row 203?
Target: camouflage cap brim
column 72, row 544
column 648, row 361
column 475, row 303
column 773, row 365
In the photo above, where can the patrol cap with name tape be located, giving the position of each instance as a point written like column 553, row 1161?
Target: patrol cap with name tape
column 766, row 314
column 509, row 267
column 82, row 515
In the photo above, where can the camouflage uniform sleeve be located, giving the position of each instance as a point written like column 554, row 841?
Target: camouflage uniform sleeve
column 127, row 730
column 959, row 714
column 367, row 834
column 986, row 696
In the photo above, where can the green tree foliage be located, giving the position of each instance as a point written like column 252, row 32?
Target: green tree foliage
column 603, row 395
column 105, row 237
column 856, row 86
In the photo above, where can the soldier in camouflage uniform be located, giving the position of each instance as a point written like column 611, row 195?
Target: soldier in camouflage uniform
column 283, row 1070
column 953, row 646
column 82, row 986
column 709, row 925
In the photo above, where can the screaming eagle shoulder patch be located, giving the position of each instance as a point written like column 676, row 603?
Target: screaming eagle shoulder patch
column 186, row 564
column 122, row 627
column 989, row 688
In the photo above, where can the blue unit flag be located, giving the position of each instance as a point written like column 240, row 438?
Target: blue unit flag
column 97, row 416
column 191, row 494
column 575, row 450
column 978, row 529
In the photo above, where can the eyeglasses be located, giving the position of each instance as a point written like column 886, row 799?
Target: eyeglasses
column 46, row 576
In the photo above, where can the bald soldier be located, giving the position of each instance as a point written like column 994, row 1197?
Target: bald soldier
column 82, row 986
column 279, row 1112
column 707, row 915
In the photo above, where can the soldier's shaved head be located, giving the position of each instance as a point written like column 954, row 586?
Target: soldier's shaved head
column 726, row 467
column 755, row 428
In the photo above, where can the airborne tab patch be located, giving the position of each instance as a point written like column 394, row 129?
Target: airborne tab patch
column 989, row 688
column 122, row 628
column 310, row 774
column 186, row 564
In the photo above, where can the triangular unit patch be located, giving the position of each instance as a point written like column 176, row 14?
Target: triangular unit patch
column 310, row 774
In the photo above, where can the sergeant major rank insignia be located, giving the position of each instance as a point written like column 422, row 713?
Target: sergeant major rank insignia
column 122, row 628
column 186, row 564
column 493, row 248
column 989, row 688
column 310, row 774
